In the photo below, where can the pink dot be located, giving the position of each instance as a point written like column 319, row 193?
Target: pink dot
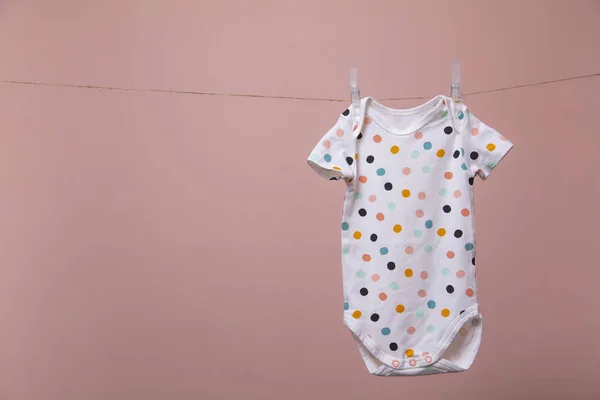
column 419, row 213
column 424, row 275
column 375, row 277
column 406, row 171
column 367, row 121
column 409, row 250
column 411, row 330
column 422, row 195
column 377, row 138
column 457, row 193
column 372, row 198
column 326, row 144
column 422, row 293
column 419, row 135
column 460, row 273
column 474, row 131
column 339, row 132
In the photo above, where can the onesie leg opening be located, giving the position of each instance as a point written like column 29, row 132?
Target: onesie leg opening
column 462, row 350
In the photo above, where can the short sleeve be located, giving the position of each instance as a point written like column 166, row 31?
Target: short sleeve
column 333, row 156
column 484, row 147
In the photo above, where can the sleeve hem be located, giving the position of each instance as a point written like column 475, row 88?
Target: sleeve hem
column 493, row 160
column 327, row 173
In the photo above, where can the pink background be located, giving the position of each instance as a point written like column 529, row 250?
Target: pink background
column 177, row 246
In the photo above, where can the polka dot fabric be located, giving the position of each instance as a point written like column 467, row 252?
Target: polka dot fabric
column 408, row 241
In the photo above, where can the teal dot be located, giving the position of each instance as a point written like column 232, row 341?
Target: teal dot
column 420, row 313
column 428, row 249
column 344, row 251
column 427, row 145
column 464, row 166
column 358, row 195
column 383, row 251
column 428, row 224
column 444, row 114
column 386, row 331
column 381, row 172
column 345, row 226
column 392, row 206
column 426, row 169
column 327, row 157
column 469, row 246
column 491, row 164
column 418, row 233
column 461, row 115
column 443, row 191
column 314, row 157
column 431, row 329
column 360, row 274
column 445, row 271
column 394, row 286
column 415, row 154
column 431, row 304
column 346, row 305
column 462, row 151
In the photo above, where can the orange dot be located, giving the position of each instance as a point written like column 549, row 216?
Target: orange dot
column 375, row 277
column 418, row 135
column 410, row 353
column 357, row 235
column 354, row 127
column 382, row 296
column 440, row 153
column 445, row 312
column 448, row 175
column 372, row 198
column 419, row 213
column 362, row 179
column 406, row 171
column 450, row 254
column 399, row 308
column 408, row 272
column 406, row 193
column 422, row 196
column 463, row 331
column 367, row 120
column 457, row 193
column 441, row 232
column 326, row 144
column 411, row 330
column 366, row 258
column 424, row 275
column 491, row 147
column 337, row 168
column 465, row 212
column 377, row 138
column 475, row 131
column 460, row 273
column 356, row 314
column 339, row 132
column 470, row 292
column 409, row 250
column 397, row 228
column 422, row 293
column 380, row 217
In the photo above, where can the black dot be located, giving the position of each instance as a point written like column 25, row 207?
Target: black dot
column 349, row 160
column 388, row 186
column 461, row 312
column 333, row 179
column 370, row 159
column 450, row 289
column 456, row 154
column 448, row 130
column 393, row 346
column 373, row 237
column 364, row 291
column 473, row 261
column 375, row 317
column 391, row 265
column 362, row 212
column 471, row 180
column 474, row 155
column 458, row 233
column 447, row 208
column 345, row 113
column 359, row 136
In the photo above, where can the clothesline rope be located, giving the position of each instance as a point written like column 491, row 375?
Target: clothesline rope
column 261, row 96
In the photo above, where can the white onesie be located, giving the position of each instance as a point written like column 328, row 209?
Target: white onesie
column 408, row 235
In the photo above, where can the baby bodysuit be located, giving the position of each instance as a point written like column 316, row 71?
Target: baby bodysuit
column 407, row 230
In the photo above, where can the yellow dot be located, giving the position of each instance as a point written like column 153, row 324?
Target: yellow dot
column 397, row 228
column 337, row 168
column 440, row 153
column 410, row 353
column 441, row 232
column 491, row 147
column 356, row 314
column 408, row 272
column 356, row 156
column 395, row 149
column 406, row 193
column 445, row 312
column 357, row 235
column 399, row 308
